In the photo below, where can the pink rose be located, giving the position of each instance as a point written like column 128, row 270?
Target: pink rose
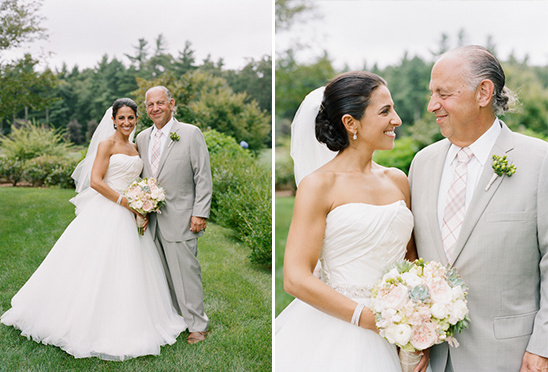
column 147, row 206
column 397, row 297
column 424, row 336
column 440, row 291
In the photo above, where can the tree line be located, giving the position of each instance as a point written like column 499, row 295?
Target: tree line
column 236, row 102
column 408, row 83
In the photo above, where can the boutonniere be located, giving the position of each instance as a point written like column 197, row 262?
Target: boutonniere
column 174, row 137
column 501, row 167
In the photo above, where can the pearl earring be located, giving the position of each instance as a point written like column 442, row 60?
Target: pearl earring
column 355, row 137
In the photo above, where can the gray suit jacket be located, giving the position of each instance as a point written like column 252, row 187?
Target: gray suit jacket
column 185, row 174
column 501, row 253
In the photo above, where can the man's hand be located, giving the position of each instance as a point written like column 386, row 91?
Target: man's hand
column 197, row 224
column 534, row 363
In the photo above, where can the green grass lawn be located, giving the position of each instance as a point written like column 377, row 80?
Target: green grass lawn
column 284, row 211
column 237, row 295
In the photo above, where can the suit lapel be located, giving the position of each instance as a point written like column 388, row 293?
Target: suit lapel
column 481, row 198
column 169, row 145
column 433, row 189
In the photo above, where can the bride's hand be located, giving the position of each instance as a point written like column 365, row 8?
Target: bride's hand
column 423, row 363
column 146, row 222
column 125, row 204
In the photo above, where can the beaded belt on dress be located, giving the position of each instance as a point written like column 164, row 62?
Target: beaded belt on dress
column 351, row 291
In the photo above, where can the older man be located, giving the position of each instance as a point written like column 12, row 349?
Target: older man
column 176, row 155
column 495, row 234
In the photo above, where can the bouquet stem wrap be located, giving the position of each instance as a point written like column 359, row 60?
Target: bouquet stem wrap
column 409, row 360
column 140, row 225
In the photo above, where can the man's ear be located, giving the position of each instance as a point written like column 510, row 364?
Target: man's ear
column 485, row 92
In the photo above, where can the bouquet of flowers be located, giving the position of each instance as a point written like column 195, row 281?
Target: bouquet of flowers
column 419, row 304
column 145, row 196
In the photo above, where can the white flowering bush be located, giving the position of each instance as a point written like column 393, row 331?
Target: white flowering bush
column 420, row 304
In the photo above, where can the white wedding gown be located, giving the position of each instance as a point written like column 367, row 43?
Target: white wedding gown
column 101, row 291
column 360, row 241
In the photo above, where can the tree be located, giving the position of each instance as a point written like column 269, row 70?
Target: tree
column 217, row 107
column 186, row 61
column 20, row 23
column 255, row 79
column 23, row 87
column 160, row 45
column 74, row 132
column 294, row 81
column 141, row 54
column 289, row 11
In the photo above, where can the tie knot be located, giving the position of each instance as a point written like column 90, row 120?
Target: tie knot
column 464, row 155
column 158, row 133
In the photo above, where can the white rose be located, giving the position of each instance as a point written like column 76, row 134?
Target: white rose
column 388, row 314
column 398, row 334
column 156, row 194
column 137, row 204
column 390, row 333
column 411, row 279
column 439, row 311
column 458, row 293
column 377, row 305
column 392, row 274
column 402, row 334
column 458, row 310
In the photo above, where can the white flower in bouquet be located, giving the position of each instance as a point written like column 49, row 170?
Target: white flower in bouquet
column 145, row 196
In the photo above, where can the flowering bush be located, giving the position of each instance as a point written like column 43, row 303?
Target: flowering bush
column 420, row 304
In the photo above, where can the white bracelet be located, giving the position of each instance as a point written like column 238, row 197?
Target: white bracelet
column 119, row 199
column 357, row 314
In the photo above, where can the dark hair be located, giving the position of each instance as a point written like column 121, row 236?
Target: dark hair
column 483, row 65
column 121, row 102
column 348, row 93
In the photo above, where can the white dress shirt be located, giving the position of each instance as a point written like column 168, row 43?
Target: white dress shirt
column 165, row 131
column 481, row 149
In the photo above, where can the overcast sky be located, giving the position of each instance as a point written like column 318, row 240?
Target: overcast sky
column 81, row 32
column 380, row 31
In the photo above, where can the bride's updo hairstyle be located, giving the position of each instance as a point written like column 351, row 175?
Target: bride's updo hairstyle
column 348, row 93
column 121, row 102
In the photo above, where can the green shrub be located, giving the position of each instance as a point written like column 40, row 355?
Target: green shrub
column 241, row 195
column 11, row 170
column 400, row 156
column 61, row 175
column 285, row 179
column 31, row 141
column 35, row 171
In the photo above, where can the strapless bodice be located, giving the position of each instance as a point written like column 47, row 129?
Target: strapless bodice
column 360, row 242
column 122, row 171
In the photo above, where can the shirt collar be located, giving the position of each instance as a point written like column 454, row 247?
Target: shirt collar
column 166, row 129
column 482, row 146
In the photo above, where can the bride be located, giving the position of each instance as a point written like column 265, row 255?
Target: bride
column 353, row 215
column 101, row 291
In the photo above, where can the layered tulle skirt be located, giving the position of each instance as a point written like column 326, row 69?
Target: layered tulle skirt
column 101, row 291
column 310, row 340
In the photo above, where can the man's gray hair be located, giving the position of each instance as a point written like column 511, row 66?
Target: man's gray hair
column 483, row 65
column 166, row 91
